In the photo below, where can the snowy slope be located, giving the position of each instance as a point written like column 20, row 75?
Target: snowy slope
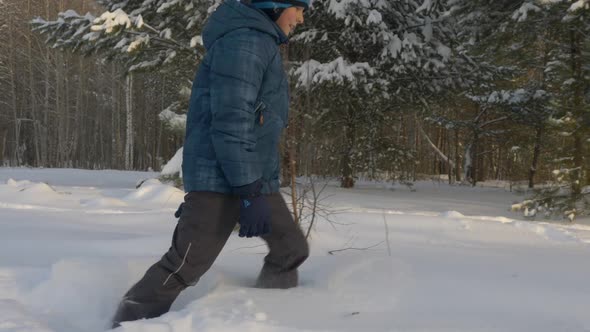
column 453, row 259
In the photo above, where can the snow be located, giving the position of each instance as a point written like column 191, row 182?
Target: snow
column 306, row 72
column 579, row 5
column 122, row 43
column 139, row 22
column 569, row 81
column 196, row 40
column 444, row 51
column 109, row 21
column 70, row 14
column 166, row 33
column 167, row 5
column 175, row 121
column 91, row 36
column 426, row 5
column 510, row 97
column 73, row 241
column 174, row 166
column 145, row 64
column 170, row 55
column 539, row 94
column 137, row 43
column 153, row 191
column 521, row 14
column 374, row 17
column 427, row 30
column 393, row 48
column 339, row 8
column 338, row 70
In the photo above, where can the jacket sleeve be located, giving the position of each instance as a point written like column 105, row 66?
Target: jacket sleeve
column 237, row 69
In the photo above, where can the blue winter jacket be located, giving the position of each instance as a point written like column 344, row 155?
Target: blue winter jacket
column 239, row 103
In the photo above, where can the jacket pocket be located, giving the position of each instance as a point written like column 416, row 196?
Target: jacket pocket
column 259, row 113
column 267, row 122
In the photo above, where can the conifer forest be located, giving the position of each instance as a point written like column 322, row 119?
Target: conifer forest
column 466, row 91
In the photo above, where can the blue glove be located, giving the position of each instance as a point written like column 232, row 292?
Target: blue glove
column 254, row 210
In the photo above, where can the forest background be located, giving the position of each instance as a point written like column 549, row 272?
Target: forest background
column 394, row 90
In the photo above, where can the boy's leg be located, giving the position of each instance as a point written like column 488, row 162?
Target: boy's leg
column 206, row 223
column 287, row 248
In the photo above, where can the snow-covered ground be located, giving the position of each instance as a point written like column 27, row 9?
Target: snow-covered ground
column 438, row 258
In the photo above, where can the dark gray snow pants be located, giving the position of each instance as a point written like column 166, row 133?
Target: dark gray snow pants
column 206, row 222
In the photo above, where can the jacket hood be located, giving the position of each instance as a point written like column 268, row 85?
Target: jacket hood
column 232, row 15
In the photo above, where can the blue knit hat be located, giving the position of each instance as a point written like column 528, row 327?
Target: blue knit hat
column 272, row 4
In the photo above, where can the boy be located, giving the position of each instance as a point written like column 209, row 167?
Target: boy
column 238, row 109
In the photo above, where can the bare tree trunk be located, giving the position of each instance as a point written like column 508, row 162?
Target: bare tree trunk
column 58, row 110
column 439, row 145
column 32, row 93
column 480, row 156
column 156, row 132
column 435, row 147
column 115, row 141
column 540, row 130
column 12, row 71
column 158, row 136
column 449, row 169
column 417, row 149
column 474, row 159
column 129, row 124
column 347, row 181
column 66, row 107
column 578, row 110
column 76, row 152
column 468, row 163
column 536, row 153
column 61, row 105
column 3, row 135
column 293, row 184
column 58, row 107
column 103, row 160
column 96, row 130
column 43, row 130
column 587, row 131
column 457, row 154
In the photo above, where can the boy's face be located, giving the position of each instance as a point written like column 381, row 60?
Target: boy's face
column 290, row 18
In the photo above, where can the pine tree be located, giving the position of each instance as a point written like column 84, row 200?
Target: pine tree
column 367, row 60
column 547, row 94
column 144, row 36
column 570, row 194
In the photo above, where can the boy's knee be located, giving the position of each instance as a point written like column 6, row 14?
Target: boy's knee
column 300, row 256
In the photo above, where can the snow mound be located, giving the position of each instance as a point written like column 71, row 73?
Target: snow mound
column 174, row 165
column 503, row 220
column 18, row 184
column 83, row 292
column 172, row 322
column 40, row 189
column 452, row 214
column 190, row 321
column 102, row 202
column 18, row 206
column 549, row 232
column 154, row 192
column 15, row 318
